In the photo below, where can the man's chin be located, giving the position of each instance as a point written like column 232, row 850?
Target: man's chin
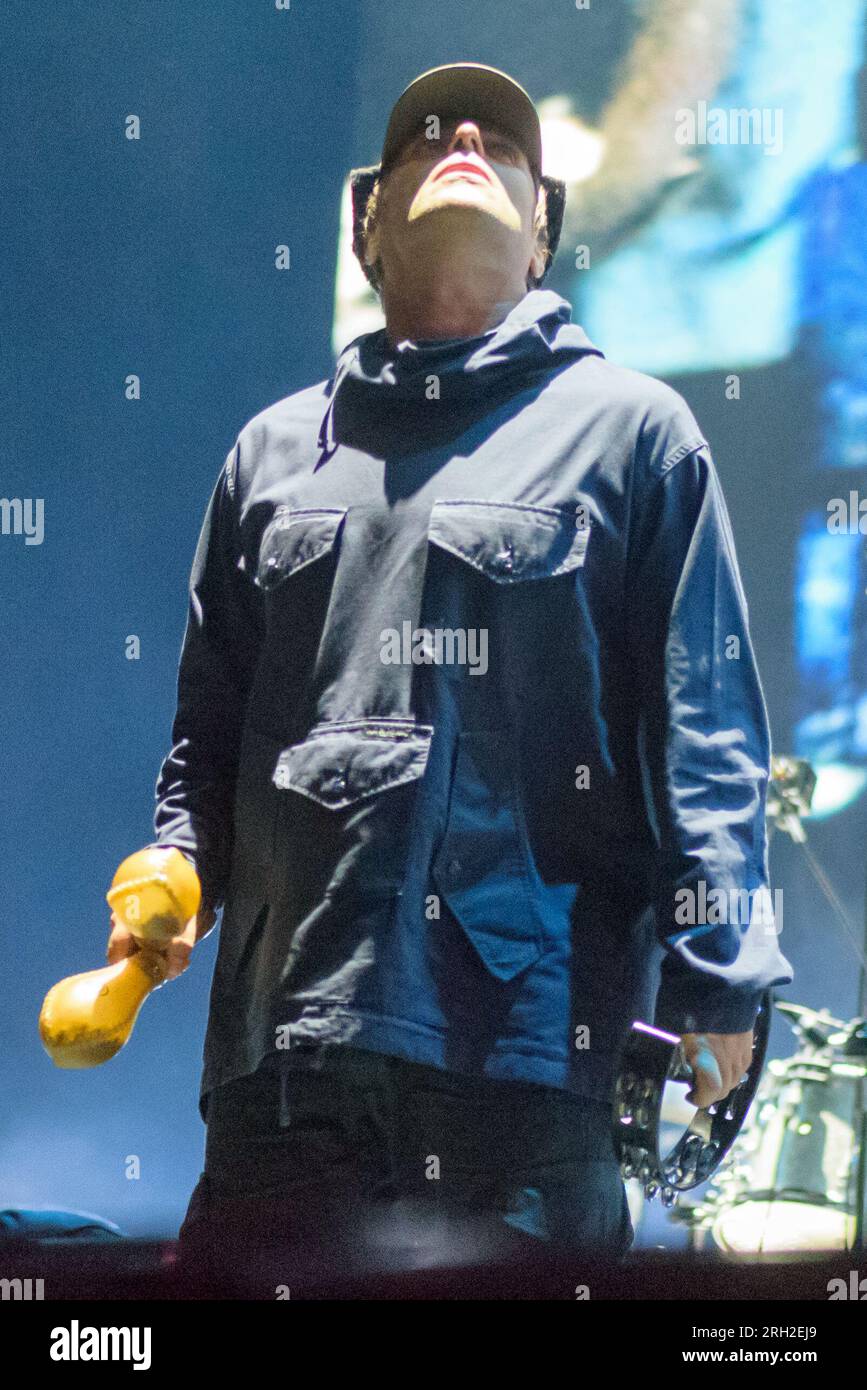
column 459, row 207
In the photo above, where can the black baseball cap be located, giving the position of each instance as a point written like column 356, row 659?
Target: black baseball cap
column 470, row 90
column 455, row 91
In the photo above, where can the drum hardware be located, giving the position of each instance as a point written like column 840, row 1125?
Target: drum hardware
column 790, row 794
column 795, row 1175
column 795, row 1178
column 791, row 1179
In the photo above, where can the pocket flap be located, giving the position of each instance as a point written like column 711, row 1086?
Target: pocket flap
column 482, row 869
column 338, row 764
column 511, row 542
column 295, row 537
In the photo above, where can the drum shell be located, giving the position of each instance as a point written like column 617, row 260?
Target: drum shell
column 789, row 1183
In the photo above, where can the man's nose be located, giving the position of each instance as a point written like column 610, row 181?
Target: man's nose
column 467, row 136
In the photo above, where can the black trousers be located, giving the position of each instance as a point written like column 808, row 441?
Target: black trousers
column 303, row 1155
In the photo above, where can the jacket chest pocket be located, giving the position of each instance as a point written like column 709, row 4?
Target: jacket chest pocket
column 511, row 543
column 503, row 573
column 295, row 572
column 293, row 539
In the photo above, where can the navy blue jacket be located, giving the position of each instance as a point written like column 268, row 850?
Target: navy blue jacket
column 468, row 716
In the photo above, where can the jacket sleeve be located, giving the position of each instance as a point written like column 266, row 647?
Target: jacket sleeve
column 704, row 749
column 196, row 782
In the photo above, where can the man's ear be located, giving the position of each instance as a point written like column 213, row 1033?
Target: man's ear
column 540, row 227
column 371, row 243
column 371, row 228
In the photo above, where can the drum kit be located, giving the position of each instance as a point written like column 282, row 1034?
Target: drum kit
column 783, row 1157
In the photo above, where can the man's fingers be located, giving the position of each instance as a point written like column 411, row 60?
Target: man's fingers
column 179, row 949
column 176, row 951
column 177, row 954
column 121, row 943
column 719, row 1062
column 708, row 1080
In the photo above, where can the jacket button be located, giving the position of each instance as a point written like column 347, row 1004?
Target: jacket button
column 453, row 868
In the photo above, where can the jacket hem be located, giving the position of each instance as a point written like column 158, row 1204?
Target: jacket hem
column 419, row 1043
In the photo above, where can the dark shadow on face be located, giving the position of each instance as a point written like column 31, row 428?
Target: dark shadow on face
column 466, row 166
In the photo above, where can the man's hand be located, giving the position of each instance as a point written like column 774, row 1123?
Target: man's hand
column 719, row 1061
column 177, row 950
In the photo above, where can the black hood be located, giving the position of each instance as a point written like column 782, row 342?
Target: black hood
column 536, row 337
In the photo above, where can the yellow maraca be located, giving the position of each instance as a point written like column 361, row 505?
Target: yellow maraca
column 86, row 1019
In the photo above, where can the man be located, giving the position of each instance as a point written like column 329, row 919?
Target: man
column 468, row 715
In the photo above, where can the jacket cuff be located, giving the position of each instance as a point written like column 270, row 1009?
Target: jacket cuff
column 693, row 1003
